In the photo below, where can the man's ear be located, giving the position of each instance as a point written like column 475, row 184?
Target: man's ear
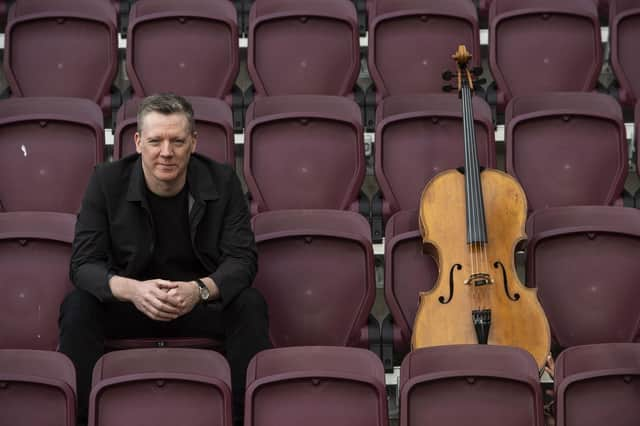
column 194, row 137
column 137, row 140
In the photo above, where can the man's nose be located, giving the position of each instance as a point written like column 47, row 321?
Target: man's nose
column 165, row 149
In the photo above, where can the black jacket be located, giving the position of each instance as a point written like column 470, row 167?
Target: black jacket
column 114, row 232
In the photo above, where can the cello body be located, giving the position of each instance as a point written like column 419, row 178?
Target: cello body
column 520, row 323
column 471, row 221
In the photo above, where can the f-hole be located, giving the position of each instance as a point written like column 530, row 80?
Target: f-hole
column 516, row 296
column 441, row 299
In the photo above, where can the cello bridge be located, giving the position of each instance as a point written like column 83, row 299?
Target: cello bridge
column 479, row 279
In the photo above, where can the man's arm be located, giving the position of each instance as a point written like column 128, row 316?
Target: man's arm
column 91, row 248
column 238, row 266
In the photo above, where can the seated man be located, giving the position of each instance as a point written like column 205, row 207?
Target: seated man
column 163, row 248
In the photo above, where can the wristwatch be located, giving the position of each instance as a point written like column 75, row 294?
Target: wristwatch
column 204, row 290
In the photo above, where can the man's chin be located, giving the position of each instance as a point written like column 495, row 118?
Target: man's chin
column 166, row 176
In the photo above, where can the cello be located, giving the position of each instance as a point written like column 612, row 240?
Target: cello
column 471, row 221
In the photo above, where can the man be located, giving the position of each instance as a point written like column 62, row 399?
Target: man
column 163, row 248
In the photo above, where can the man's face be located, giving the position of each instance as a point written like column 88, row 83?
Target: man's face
column 165, row 145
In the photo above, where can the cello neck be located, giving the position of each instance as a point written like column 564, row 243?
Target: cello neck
column 476, row 224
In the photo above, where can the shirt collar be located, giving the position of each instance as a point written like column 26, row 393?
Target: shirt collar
column 201, row 184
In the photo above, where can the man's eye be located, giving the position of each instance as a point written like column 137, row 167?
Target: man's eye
column 178, row 142
column 153, row 142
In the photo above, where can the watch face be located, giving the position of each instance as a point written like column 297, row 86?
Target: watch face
column 204, row 293
column 204, row 290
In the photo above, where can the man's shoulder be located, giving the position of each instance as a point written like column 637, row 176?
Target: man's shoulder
column 205, row 164
column 116, row 172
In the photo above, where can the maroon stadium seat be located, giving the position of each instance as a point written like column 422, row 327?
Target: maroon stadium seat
column 161, row 387
column 483, row 7
column 303, row 152
column 36, row 388
column 543, row 45
column 315, row 270
column 420, row 136
column 61, row 48
column 567, row 148
column 48, row 149
column 470, row 385
column 213, row 124
column 407, row 272
column 411, row 42
column 598, row 384
column 315, row 386
column 309, row 47
column 637, row 136
column 189, row 47
column 583, row 261
column 34, row 277
column 624, row 27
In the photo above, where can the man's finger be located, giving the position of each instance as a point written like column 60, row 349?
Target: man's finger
column 165, row 297
column 159, row 315
column 166, row 285
column 165, row 306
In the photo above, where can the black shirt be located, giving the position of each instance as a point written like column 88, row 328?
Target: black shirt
column 173, row 256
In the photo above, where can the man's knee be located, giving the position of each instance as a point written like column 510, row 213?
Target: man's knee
column 249, row 302
column 79, row 308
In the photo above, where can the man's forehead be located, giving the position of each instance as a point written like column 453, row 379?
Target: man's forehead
column 156, row 121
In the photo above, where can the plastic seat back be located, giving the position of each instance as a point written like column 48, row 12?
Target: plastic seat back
column 582, row 261
column 624, row 27
column 193, row 42
column 315, row 270
column 61, row 48
column 598, row 384
column 470, row 385
column 635, row 133
column 407, row 272
column 411, row 42
column 562, row 43
column 567, row 148
column 420, row 136
column 48, row 149
column 315, row 386
column 161, row 387
column 37, row 388
column 317, row 45
column 34, row 277
column 303, row 152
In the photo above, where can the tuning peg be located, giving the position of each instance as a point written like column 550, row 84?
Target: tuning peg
column 477, row 71
column 447, row 75
column 447, row 88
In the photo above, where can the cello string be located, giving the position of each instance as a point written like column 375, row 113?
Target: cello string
column 484, row 263
column 471, row 211
column 469, row 193
column 485, row 238
column 476, row 191
column 470, row 177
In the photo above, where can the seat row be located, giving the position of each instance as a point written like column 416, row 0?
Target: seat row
column 581, row 260
column 465, row 385
column 307, row 151
column 316, row 272
column 243, row 8
column 69, row 48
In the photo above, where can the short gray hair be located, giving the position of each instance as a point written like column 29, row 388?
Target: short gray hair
column 166, row 103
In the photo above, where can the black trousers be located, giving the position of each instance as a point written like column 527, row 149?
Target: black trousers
column 85, row 323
